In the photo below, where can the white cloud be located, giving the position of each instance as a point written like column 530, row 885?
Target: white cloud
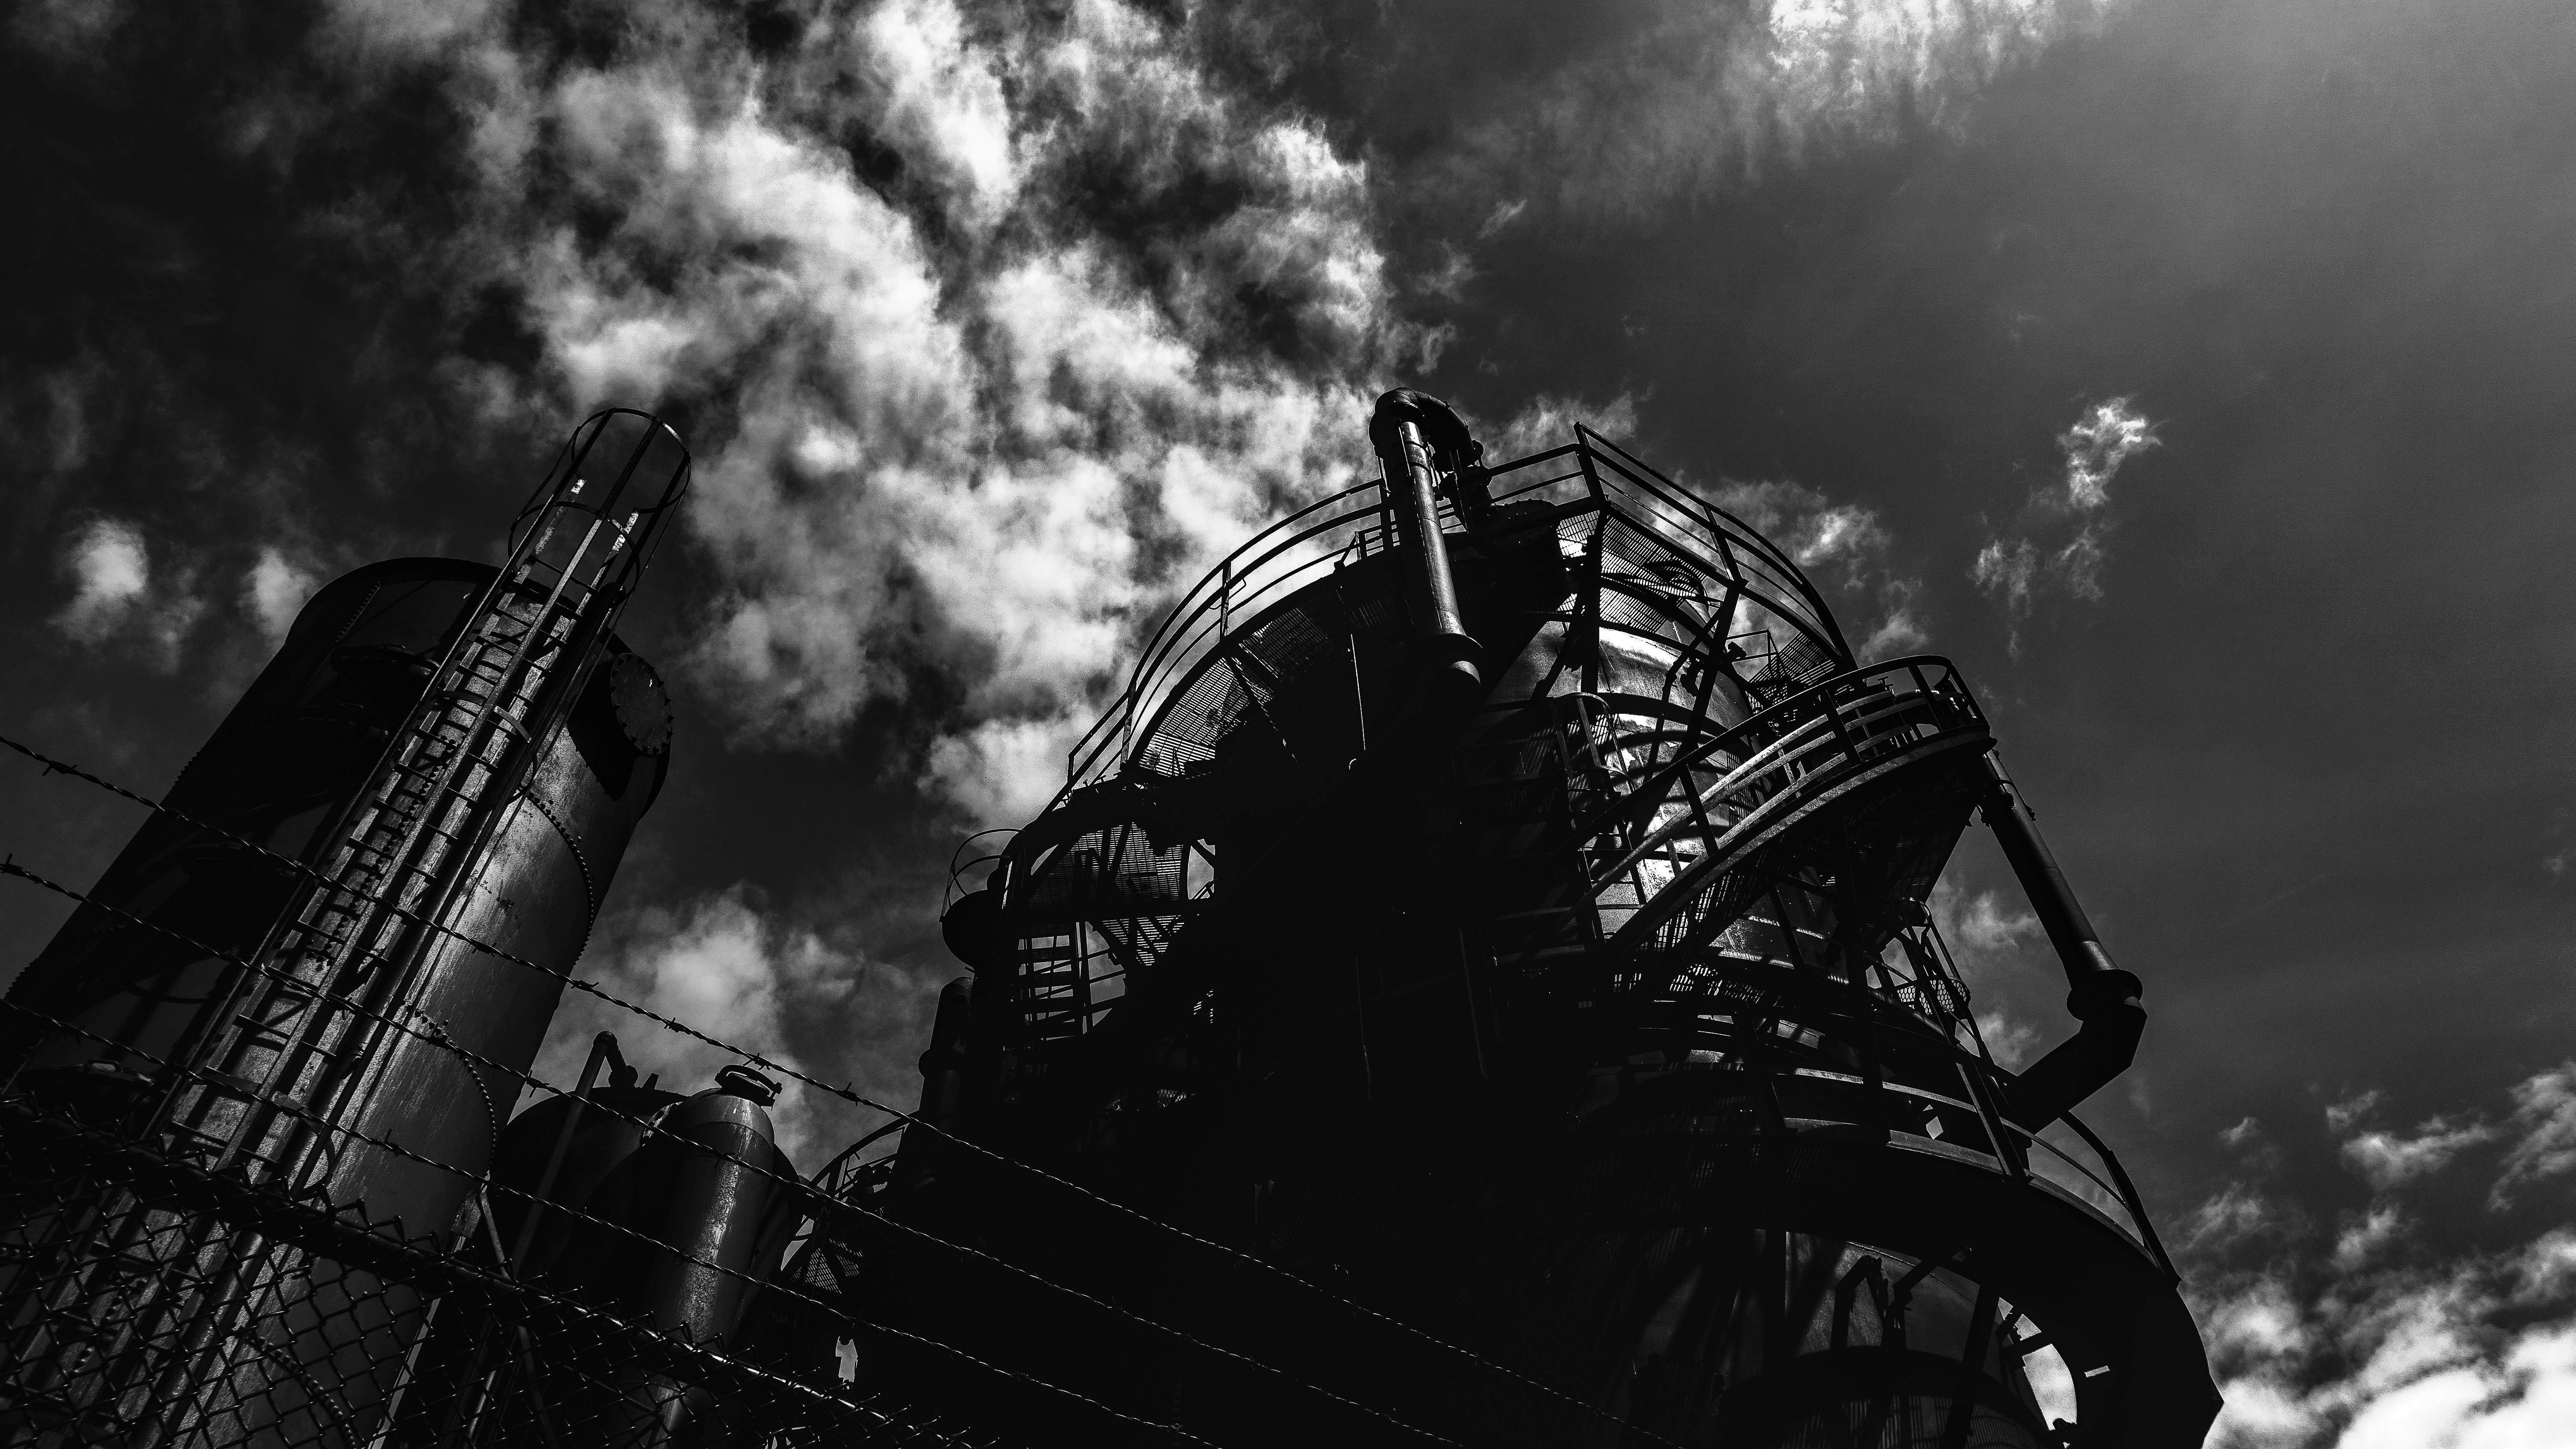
column 1003, row 771
column 2011, row 1040
column 2356, row 1342
column 2236, row 1213
column 1448, row 280
column 2341, row 1115
column 274, row 590
column 402, row 29
column 2365, row 1237
column 115, row 595
column 1813, row 529
column 2262, row 1320
column 2058, row 542
column 2107, row 435
column 2479, row 1354
column 1688, row 99
column 1900, row 630
column 68, row 28
column 734, row 968
column 937, row 98
column 1985, row 934
column 2390, row 1158
column 1842, row 546
column 970, row 407
column 1984, row 923
column 111, row 575
column 1547, row 420
column 2543, row 1128
column 2009, row 571
column 2540, row 1133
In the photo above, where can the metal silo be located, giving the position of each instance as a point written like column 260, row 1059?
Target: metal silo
column 280, row 984
column 670, row 1212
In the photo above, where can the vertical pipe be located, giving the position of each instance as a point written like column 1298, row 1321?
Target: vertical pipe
column 1412, row 476
column 1418, row 520
column 2094, row 985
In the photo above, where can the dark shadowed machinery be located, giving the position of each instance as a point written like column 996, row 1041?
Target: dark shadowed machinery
column 1476, row 987
column 1499, row 902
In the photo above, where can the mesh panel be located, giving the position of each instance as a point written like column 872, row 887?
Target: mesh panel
column 147, row 1301
column 1115, row 868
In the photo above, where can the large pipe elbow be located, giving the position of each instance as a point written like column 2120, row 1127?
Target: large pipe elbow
column 1441, row 428
column 2101, row 1049
column 2105, row 999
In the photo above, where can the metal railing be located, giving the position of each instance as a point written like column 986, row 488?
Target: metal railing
column 1662, row 844
column 1967, row 1125
column 1589, row 481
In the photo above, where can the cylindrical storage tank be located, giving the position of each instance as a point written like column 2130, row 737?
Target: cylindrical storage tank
column 279, row 772
column 671, row 1213
column 282, row 771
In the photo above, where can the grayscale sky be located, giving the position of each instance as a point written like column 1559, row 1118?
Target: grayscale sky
column 2201, row 376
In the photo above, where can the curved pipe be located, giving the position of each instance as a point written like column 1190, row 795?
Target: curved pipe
column 2099, row 994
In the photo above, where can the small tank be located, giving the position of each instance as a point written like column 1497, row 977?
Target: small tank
column 680, row 1209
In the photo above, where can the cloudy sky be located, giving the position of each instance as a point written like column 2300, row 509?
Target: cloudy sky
column 2201, row 376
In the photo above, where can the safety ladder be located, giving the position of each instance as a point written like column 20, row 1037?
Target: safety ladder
column 1054, row 995
column 295, row 1042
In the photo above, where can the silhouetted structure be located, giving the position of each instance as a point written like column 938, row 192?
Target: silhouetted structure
column 1500, row 897
column 1475, row 988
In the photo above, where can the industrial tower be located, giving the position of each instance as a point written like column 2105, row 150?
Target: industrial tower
column 1500, row 897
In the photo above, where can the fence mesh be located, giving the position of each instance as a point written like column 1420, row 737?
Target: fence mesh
column 148, row 1300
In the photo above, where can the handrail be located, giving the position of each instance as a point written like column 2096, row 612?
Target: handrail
column 2028, row 1136
column 1723, row 525
column 2128, row 1193
column 2117, row 1188
column 958, row 864
column 1938, row 692
column 1184, row 611
column 1615, row 484
column 1804, row 699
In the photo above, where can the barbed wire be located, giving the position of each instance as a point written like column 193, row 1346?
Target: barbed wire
column 856, row 1098
column 438, row 1036
column 485, row 1182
